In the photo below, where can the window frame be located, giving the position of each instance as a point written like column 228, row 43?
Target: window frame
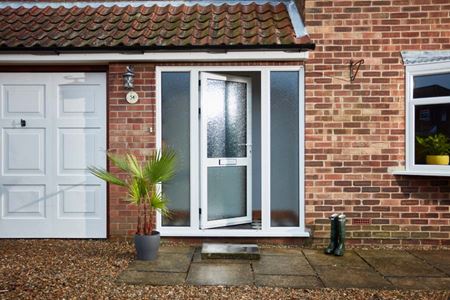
column 267, row 230
column 412, row 71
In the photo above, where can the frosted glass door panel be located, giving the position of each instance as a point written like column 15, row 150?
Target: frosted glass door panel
column 284, row 160
column 227, row 192
column 175, row 102
column 226, row 113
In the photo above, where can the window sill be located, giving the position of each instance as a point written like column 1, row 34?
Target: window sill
column 421, row 173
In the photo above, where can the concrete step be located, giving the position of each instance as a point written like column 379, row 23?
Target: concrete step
column 230, row 251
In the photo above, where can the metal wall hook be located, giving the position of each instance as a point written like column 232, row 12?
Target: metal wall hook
column 354, row 68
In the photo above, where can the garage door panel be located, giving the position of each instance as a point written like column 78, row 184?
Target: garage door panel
column 75, row 201
column 78, row 150
column 23, row 201
column 78, row 100
column 23, row 101
column 24, row 151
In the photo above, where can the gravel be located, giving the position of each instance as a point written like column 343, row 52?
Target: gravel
column 68, row 269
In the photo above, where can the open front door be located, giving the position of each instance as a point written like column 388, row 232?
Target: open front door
column 226, row 150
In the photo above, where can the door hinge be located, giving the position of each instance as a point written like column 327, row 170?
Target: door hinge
column 199, row 82
column 199, row 111
column 200, row 211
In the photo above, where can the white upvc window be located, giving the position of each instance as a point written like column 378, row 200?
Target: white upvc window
column 427, row 114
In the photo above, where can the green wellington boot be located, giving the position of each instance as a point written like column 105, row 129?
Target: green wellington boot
column 333, row 234
column 340, row 249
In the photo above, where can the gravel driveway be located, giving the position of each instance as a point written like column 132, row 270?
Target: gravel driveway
column 56, row 269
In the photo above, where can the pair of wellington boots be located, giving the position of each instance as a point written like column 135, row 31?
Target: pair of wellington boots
column 337, row 236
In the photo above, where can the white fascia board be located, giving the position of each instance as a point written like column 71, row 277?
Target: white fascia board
column 184, row 56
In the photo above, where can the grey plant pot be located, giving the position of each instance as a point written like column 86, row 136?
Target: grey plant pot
column 147, row 246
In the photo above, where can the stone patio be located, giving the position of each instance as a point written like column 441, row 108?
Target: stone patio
column 297, row 268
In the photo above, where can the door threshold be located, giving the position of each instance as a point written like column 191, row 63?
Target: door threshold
column 230, row 251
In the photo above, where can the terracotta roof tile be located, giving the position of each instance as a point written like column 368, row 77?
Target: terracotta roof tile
column 148, row 26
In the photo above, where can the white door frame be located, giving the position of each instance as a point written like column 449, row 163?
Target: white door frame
column 266, row 231
column 206, row 162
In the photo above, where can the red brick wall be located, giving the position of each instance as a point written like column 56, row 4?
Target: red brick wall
column 129, row 126
column 355, row 131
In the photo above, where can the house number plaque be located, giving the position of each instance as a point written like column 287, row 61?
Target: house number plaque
column 132, row 97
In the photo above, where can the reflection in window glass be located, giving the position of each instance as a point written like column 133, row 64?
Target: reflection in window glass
column 175, row 102
column 436, row 85
column 429, row 120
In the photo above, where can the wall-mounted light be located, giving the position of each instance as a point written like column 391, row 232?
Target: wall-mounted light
column 128, row 78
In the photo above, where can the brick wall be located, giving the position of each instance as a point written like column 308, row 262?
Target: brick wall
column 355, row 131
column 129, row 126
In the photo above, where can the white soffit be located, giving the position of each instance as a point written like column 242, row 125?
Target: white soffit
column 424, row 57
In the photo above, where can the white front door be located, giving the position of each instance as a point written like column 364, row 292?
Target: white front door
column 53, row 126
column 226, row 150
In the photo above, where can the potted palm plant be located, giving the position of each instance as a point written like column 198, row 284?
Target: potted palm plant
column 436, row 147
column 142, row 180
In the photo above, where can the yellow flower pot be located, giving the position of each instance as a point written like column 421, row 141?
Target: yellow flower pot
column 438, row 159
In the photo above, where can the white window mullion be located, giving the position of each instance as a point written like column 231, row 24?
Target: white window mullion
column 265, row 149
column 195, row 151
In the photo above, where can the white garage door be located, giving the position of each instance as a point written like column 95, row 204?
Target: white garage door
column 53, row 125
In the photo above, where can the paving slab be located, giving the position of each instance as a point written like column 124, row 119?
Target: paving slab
column 439, row 259
column 341, row 277
column 288, row 281
column 282, row 265
column 421, row 283
column 405, row 264
column 220, row 274
column 384, row 253
column 198, row 259
column 350, row 259
column 166, row 262
column 176, row 249
column 151, row 278
column 281, row 251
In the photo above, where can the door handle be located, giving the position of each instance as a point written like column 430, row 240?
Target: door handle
column 245, row 145
column 23, row 123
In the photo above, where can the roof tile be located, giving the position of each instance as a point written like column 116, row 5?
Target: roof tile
column 148, row 26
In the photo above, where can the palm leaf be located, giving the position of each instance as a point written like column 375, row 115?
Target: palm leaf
column 142, row 178
column 106, row 176
column 160, row 166
column 119, row 161
column 134, row 166
column 159, row 202
column 136, row 191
